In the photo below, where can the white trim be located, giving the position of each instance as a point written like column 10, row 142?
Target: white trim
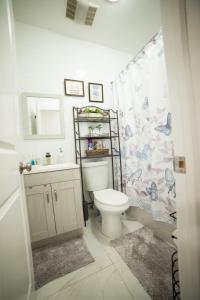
column 8, row 204
column 31, row 290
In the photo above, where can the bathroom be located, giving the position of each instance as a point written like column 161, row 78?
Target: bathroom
column 90, row 110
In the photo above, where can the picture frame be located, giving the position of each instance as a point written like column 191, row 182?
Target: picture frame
column 95, row 91
column 74, row 88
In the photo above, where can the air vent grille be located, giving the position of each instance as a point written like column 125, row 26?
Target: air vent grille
column 81, row 11
column 90, row 15
column 71, row 9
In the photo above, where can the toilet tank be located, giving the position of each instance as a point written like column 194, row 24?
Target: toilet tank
column 95, row 175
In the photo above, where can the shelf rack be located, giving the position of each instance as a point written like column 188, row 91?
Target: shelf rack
column 175, row 271
column 110, row 117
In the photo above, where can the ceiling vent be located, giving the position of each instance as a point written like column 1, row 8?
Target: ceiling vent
column 81, row 11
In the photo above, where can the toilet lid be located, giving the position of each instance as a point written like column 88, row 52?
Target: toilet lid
column 111, row 197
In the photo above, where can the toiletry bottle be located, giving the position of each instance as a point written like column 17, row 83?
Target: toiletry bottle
column 95, row 145
column 48, row 158
column 38, row 161
column 60, row 158
column 90, row 144
column 99, row 145
column 33, row 162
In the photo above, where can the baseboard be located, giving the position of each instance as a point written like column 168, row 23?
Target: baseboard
column 160, row 229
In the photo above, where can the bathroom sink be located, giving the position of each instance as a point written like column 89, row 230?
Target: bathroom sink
column 50, row 168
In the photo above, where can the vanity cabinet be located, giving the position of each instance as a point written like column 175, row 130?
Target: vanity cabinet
column 54, row 203
column 40, row 212
column 66, row 198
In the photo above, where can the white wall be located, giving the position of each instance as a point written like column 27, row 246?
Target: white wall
column 45, row 59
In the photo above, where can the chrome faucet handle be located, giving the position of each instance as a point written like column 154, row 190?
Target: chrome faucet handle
column 24, row 166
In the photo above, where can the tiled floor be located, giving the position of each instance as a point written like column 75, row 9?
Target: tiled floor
column 108, row 278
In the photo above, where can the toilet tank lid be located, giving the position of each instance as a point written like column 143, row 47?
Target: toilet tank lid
column 94, row 164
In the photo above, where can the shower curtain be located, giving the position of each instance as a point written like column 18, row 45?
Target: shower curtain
column 141, row 97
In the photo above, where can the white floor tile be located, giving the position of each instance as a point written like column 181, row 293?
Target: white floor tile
column 112, row 254
column 133, row 285
column 104, row 285
column 132, row 226
column 107, row 278
column 73, row 277
column 102, row 260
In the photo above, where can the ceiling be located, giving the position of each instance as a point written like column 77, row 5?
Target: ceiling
column 125, row 26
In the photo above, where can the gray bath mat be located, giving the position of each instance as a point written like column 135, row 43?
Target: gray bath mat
column 56, row 260
column 149, row 259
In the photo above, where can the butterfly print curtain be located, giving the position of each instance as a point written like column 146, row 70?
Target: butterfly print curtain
column 141, row 97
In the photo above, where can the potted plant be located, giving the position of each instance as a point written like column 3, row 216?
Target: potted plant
column 93, row 112
column 91, row 128
column 99, row 127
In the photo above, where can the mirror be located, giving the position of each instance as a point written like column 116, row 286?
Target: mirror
column 42, row 116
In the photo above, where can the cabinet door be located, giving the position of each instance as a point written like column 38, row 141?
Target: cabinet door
column 40, row 211
column 68, row 215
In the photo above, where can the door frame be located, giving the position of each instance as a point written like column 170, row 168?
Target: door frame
column 31, row 295
column 180, row 23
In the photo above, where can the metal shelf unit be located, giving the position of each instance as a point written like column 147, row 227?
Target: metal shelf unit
column 111, row 118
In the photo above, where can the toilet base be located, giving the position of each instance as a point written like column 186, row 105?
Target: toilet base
column 111, row 225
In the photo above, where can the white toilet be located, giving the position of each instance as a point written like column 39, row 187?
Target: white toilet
column 111, row 203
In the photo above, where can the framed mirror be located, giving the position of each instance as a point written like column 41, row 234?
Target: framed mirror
column 43, row 116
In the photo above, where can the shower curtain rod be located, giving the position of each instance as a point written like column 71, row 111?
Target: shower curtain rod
column 153, row 39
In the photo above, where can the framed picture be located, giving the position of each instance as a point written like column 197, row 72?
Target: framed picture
column 74, row 88
column 95, row 92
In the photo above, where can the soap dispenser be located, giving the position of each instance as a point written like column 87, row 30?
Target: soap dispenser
column 60, row 158
column 48, row 158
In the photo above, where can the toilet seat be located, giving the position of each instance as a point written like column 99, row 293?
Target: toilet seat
column 110, row 197
column 111, row 205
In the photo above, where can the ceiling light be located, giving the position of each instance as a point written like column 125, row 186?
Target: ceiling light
column 112, row 1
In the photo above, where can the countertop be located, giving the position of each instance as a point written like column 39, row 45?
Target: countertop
column 51, row 168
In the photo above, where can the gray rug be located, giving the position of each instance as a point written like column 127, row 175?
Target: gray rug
column 149, row 259
column 56, row 260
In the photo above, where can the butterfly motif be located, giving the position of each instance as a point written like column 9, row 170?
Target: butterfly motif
column 170, row 182
column 138, row 87
column 146, row 103
column 161, row 110
column 167, row 128
column 153, row 191
column 157, row 170
column 131, row 108
column 143, row 155
column 128, row 132
column 135, row 176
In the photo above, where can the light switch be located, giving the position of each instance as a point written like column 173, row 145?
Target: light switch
column 179, row 164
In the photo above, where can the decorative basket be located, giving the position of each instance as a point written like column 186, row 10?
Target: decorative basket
column 93, row 115
column 90, row 115
column 97, row 152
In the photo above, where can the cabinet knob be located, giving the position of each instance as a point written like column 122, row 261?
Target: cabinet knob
column 56, row 196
